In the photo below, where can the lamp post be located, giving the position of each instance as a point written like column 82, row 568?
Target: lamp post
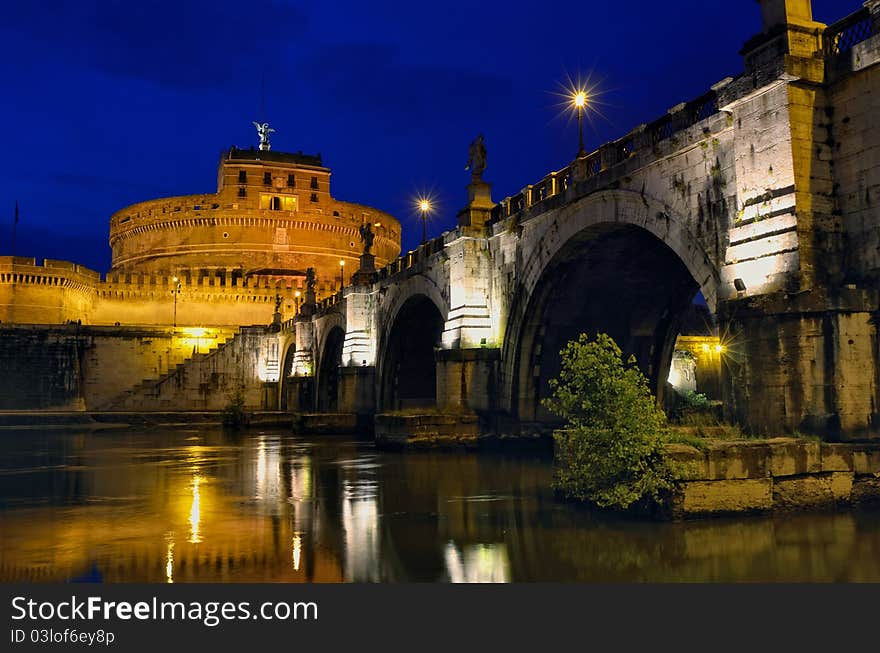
column 175, row 292
column 580, row 102
column 424, row 209
column 341, row 273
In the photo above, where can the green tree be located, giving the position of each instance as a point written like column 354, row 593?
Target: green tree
column 611, row 451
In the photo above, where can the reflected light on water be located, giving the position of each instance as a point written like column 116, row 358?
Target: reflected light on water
column 195, row 511
column 360, row 521
column 301, row 478
column 297, row 550
column 268, row 481
column 478, row 563
column 169, row 560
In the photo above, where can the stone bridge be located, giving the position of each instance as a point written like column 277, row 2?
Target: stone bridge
column 763, row 195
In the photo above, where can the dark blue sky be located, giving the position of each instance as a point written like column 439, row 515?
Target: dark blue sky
column 110, row 103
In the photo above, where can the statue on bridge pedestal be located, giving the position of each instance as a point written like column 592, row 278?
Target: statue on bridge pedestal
column 477, row 158
column 479, row 205
column 367, row 236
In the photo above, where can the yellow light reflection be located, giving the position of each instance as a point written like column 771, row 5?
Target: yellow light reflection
column 297, row 550
column 169, row 561
column 705, row 348
column 195, row 511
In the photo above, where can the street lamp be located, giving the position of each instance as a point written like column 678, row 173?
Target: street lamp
column 341, row 273
column 424, row 209
column 175, row 293
column 580, row 103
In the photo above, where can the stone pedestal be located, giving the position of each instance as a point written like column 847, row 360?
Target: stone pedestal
column 366, row 274
column 357, row 390
column 805, row 362
column 467, row 379
column 479, row 207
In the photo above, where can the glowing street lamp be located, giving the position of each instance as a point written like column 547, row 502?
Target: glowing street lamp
column 175, row 292
column 424, row 209
column 341, row 273
column 580, row 103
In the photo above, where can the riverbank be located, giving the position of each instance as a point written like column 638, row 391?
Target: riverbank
column 108, row 420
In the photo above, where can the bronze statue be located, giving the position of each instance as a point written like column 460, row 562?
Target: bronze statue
column 477, row 158
column 367, row 235
column 310, row 280
column 263, row 129
column 278, row 300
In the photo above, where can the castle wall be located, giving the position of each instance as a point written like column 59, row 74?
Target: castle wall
column 116, row 360
column 247, row 365
column 52, row 293
column 272, row 210
column 86, row 367
column 41, row 368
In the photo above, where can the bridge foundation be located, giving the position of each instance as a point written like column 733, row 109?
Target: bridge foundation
column 805, row 362
column 467, row 379
column 356, row 390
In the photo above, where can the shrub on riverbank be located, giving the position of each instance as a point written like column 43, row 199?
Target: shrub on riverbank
column 234, row 414
column 611, row 452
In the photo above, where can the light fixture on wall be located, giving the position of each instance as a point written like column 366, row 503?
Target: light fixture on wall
column 739, row 284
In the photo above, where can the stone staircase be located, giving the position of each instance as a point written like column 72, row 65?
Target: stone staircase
column 147, row 395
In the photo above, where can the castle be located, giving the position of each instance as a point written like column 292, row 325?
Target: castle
column 223, row 259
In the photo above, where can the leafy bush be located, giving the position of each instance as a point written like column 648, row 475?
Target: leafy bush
column 611, row 452
column 234, row 414
column 695, row 400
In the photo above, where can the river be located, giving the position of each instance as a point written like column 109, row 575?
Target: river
column 203, row 505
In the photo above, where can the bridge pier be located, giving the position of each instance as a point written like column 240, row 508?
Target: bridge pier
column 467, row 379
column 357, row 390
column 807, row 362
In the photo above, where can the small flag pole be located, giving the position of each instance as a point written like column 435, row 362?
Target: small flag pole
column 14, row 227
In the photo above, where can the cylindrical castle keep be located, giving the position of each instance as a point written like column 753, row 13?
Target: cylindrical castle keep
column 272, row 216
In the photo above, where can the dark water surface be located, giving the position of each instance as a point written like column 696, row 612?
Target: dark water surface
column 202, row 505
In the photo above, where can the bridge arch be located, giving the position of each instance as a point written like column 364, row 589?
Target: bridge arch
column 613, row 262
column 289, row 349
column 412, row 325
column 328, row 359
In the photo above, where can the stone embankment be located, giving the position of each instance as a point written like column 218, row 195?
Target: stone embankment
column 775, row 475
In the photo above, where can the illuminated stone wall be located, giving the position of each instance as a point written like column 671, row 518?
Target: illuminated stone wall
column 52, row 293
column 856, row 102
column 273, row 211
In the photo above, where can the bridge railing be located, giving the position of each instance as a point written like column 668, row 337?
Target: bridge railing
column 609, row 155
column 409, row 259
column 841, row 37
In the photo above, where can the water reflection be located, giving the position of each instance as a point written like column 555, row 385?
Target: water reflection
column 169, row 560
column 196, row 506
column 478, row 563
column 195, row 511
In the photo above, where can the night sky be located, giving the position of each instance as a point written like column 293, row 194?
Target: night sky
column 110, row 103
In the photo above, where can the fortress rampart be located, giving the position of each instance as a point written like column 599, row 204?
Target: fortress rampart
column 272, row 211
